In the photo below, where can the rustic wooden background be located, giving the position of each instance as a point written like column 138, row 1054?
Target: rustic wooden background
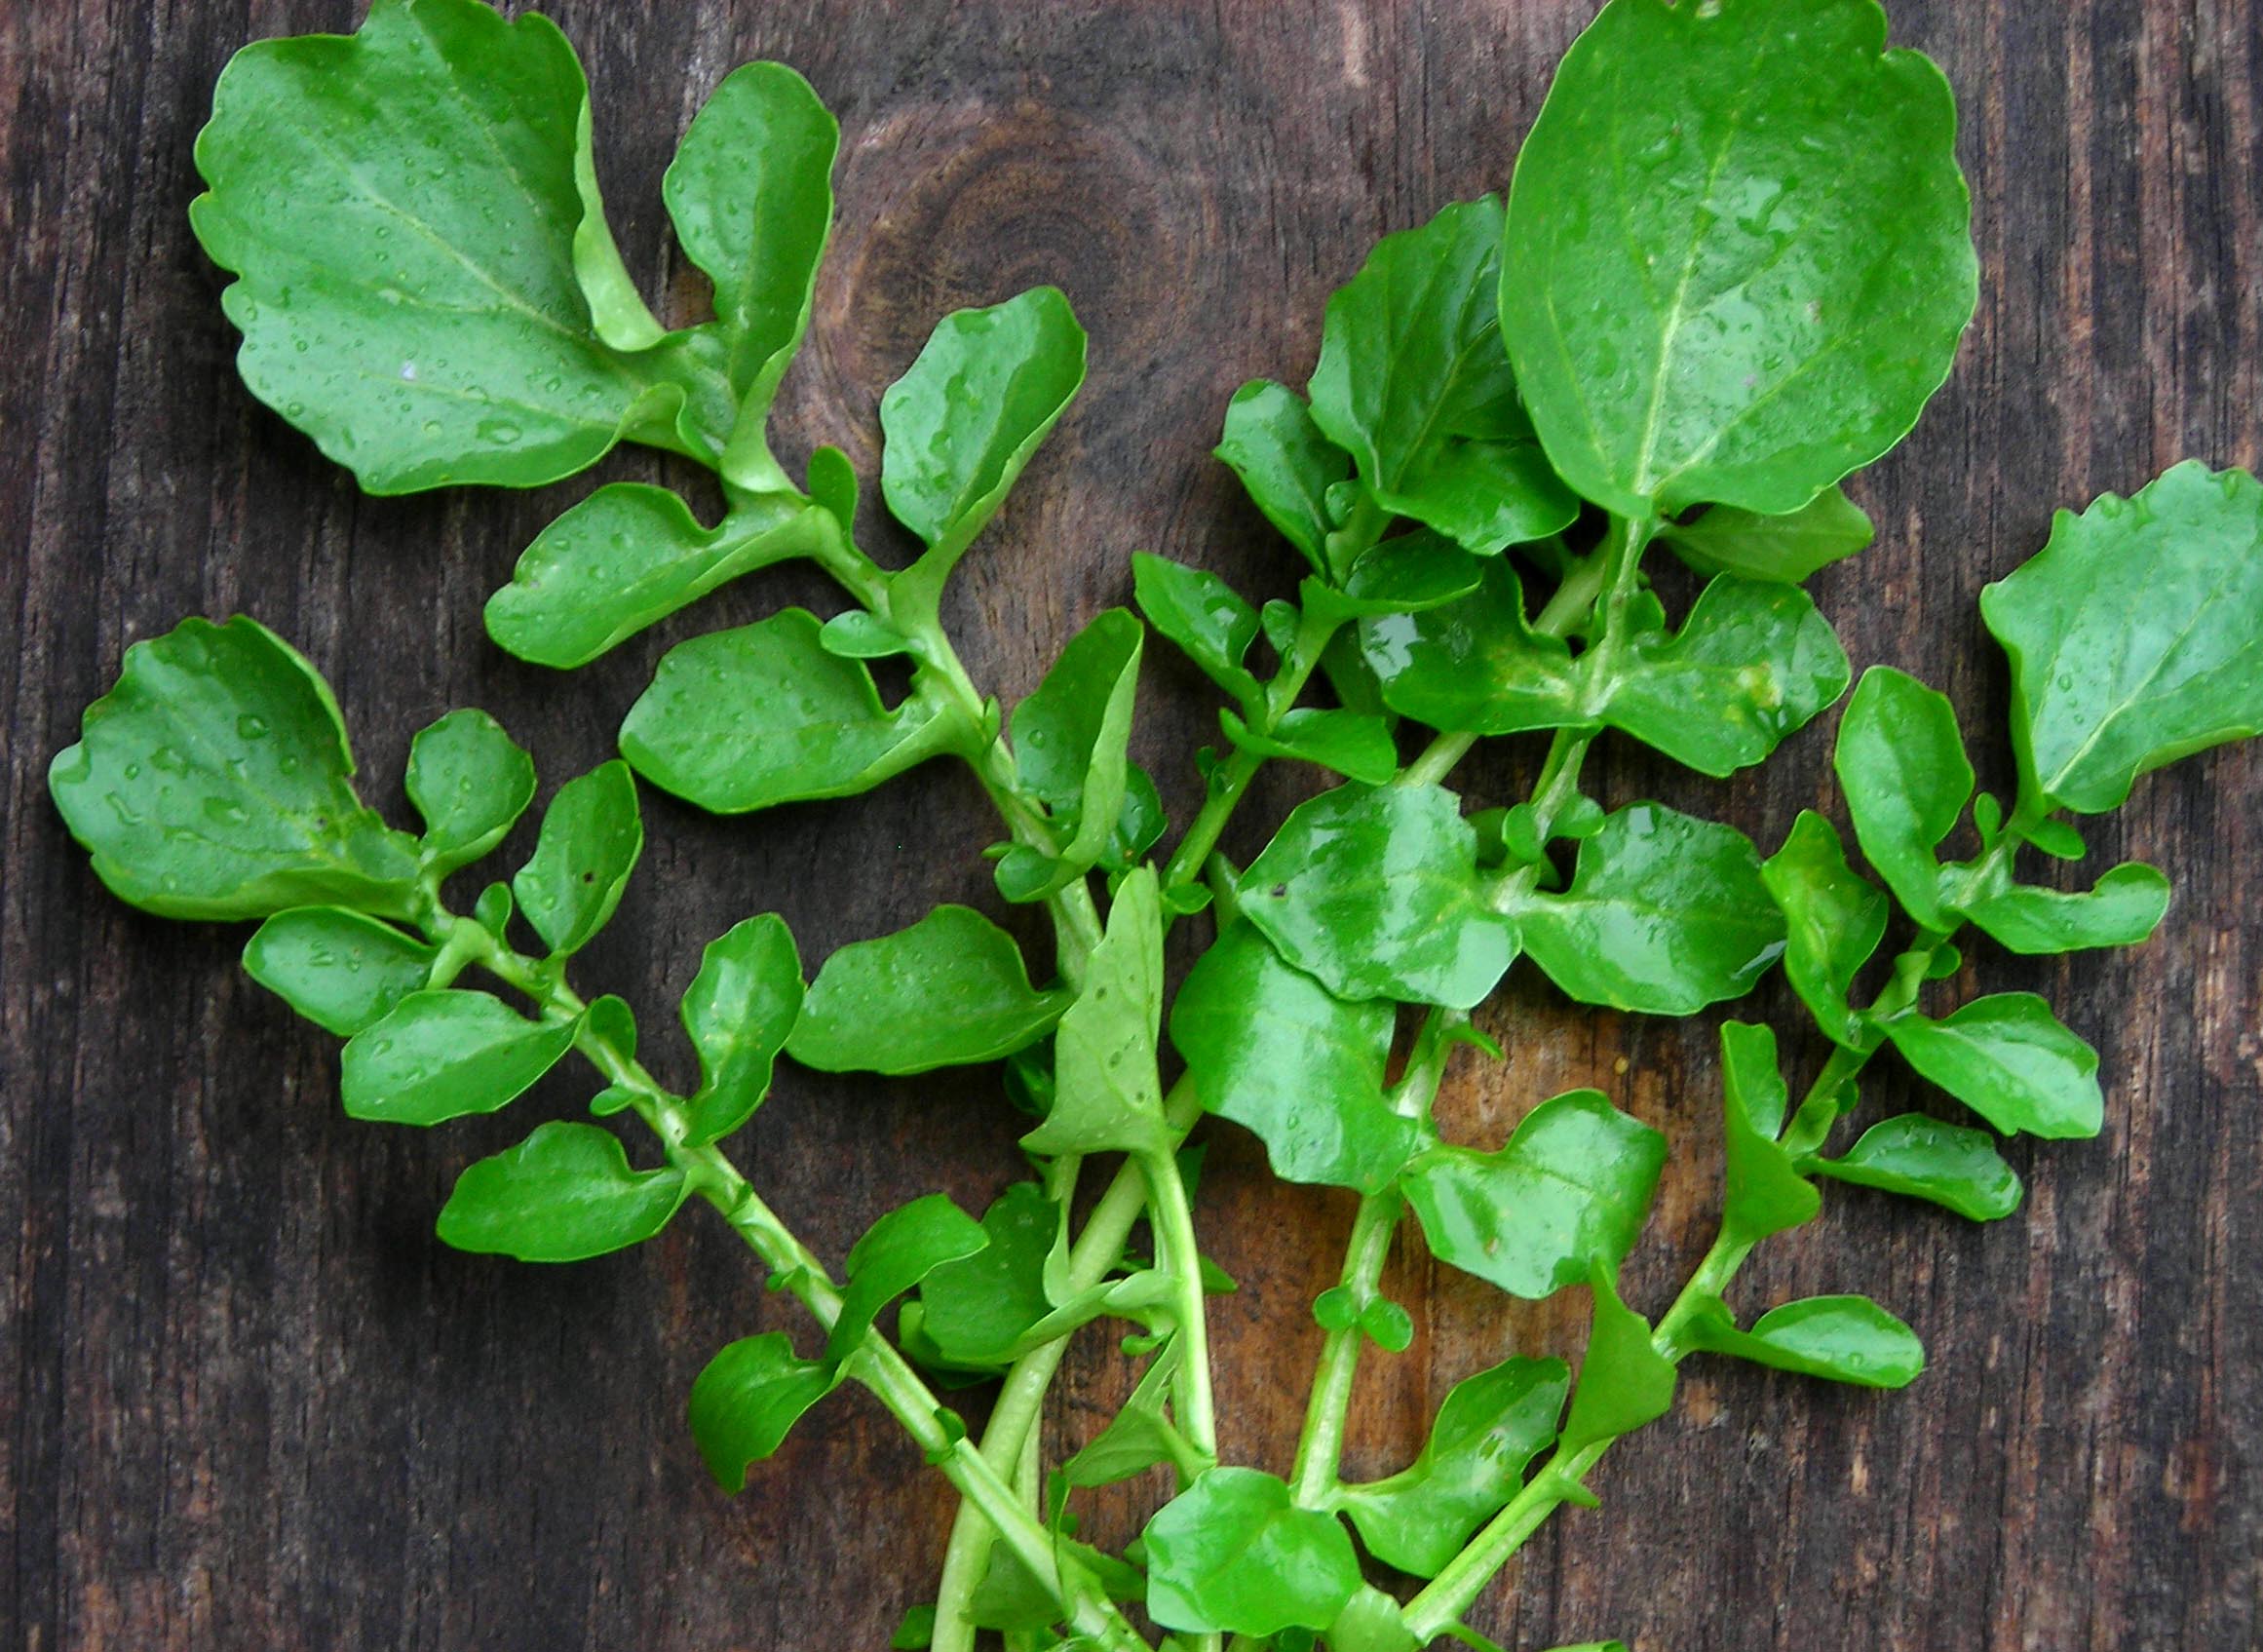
column 249, row 1402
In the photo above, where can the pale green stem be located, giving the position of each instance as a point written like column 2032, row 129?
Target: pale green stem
column 1321, row 1447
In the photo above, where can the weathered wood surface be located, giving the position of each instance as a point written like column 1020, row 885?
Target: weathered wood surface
column 249, row 1402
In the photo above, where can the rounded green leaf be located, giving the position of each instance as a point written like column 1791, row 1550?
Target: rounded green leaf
column 1354, row 743
column 1738, row 260
column 1286, row 464
column 1273, row 1049
column 1233, row 1555
column 213, row 781
column 1569, row 1191
column 1070, row 736
column 2125, row 906
column 898, row 1252
column 444, row 1055
column 762, row 714
column 1665, row 913
column 949, row 991
column 1375, row 892
column 1901, row 763
column 740, row 1010
column 746, row 1400
column 340, row 970
column 976, row 1308
column 1625, row 1381
column 1203, row 615
column 1833, row 919
column 590, row 841
column 400, row 206
column 564, row 1194
column 2011, row 1061
column 1785, row 549
column 1765, row 1194
column 1923, row 1158
column 2136, row 635
column 1476, row 664
column 471, row 781
column 1842, row 1338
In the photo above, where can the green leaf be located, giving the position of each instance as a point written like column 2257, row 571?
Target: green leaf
column 1487, row 1433
column 1372, row 1621
column 1665, row 913
column 471, row 781
column 2011, row 1061
column 1356, row 746
column 2124, row 908
column 965, row 419
column 1568, row 1193
column 1948, row 1165
column 1476, row 664
column 1738, row 260
column 1203, row 615
column 1106, row 1092
column 1413, row 383
column 898, row 1252
column 739, row 1009
column 1405, row 574
column 2136, row 635
column 1376, row 893
column 213, row 781
column 1273, row 1049
column 1286, row 464
column 746, row 1400
column 1623, row 1381
column 1901, row 763
column 1785, row 549
column 748, row 718
column 411, row 218
column 1070, row 739
column 1011, row 1598
column 590, row 841
column 1138, row 1437
column 916, row 1631
column 1232, row 1553
column 1752, row 665
column 564, row 1194
column 627, row 557
column 1833, row 919
column 1842, row 1338
column 949, row 991
column 444, row 1055
column 975, row 1309
column 1766, row 1193
column 750, row 195
column 340, row 970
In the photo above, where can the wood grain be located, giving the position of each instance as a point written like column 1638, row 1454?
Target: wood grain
column 247, row 1402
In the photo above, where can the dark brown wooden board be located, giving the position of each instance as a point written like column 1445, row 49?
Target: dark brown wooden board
column 247, row 1401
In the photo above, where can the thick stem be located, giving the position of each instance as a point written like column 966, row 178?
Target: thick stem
column 1320, row 1449
column 1176, row 1250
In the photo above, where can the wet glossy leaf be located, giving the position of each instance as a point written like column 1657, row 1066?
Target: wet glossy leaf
column 2124, row 907
column 1376, row 893
column 1488, row 1431
column 1843, row 1338
column 748, row 719
column 739, row 1011
column 213, row 781
column 1232, row 1553
column 1106, row 1092
column 1356, row 746
column 748, row 1397
column 1273, row 1049
column 898, row 1252
column 1738, row 260
column 965, row 419
column 1413, row 383
column 1476, row 664
column 2136, row 635
column 443, row 1054
column 1568, row 1192
column 975, row 1309
column 1203, row 615
column 1371, row 1621
column 2011, row 1061
column 1287, row 465
column 1623, row 1380
column 625, row 556
column 1404, row 576
column 340, row 970
column 1833, row 919
column 1901, row 763
column 417, row 239
column 1766, row 1193
column 1665, row 913
column 590, row 839
column 1070, row 739
column 471, row 781
column 1923, row 1158
column 564, row 1194
column 949, row 991
column 1787, row 548
column 751, row 194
